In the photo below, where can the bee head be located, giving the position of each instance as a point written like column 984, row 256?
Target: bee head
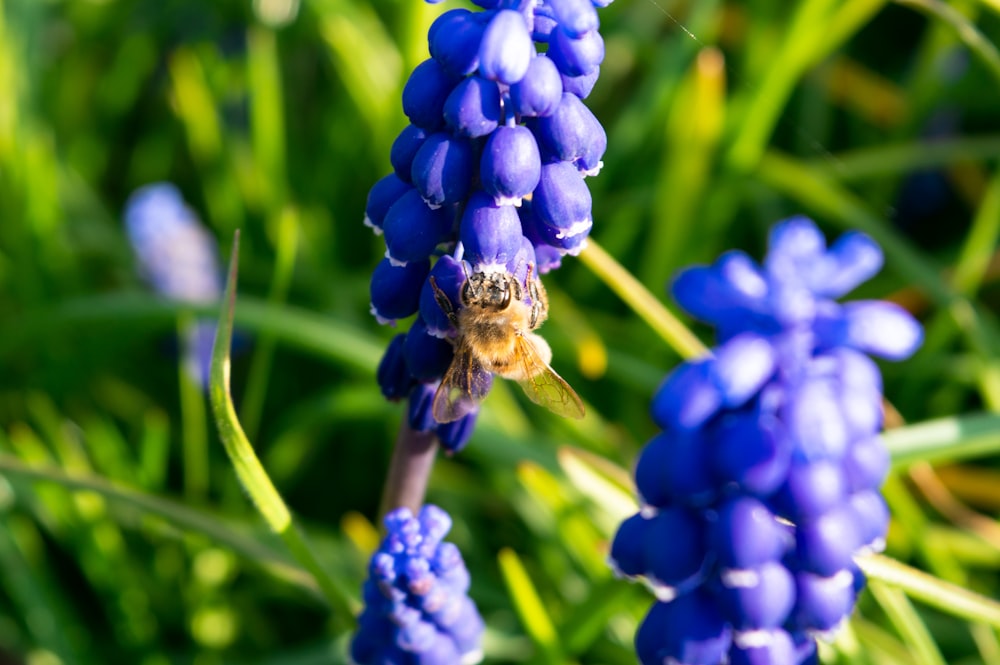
column 491, row 290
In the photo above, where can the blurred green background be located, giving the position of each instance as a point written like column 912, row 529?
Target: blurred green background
column 125, row 537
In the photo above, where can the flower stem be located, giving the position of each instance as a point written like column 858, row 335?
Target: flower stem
column 409, row 469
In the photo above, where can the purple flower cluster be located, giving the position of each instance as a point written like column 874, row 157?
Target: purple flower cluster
column 494, row 123
column 763, row 484
column 416, row 608
column 180, row 258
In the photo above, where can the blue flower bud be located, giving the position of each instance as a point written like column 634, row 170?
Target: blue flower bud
column 412, row 229
column 540, row 91
column 544, row 25
column 815, row 422
column 866, row 464
column 627, row 557
column 454, row 436
column 871, row 519
column 757, row 598
column 381, row 196
column 418, row 412
column 510, row 166
column 550, row 243
column 826, row 544
column 395, row 291
column 746, row 534
column 427, row 357
column 687, row 398
column 673, row 545
column 811, row 489
column 822, row 602
column 393, row 376
column 582, row 85
column 760, row 647
column 675, row 466
column 576, row 56
column 576, row 17
column 880, row 328
column 473, row 107
column 449, row 275
column 491, row 234
column 506, row 49
column 454, row 40
column 404, row 148
column 425, row 93
column 562, row 201
column 688, row 630
column 572, row 134
column 442, row 169
column 752, row 452
column 523, row 262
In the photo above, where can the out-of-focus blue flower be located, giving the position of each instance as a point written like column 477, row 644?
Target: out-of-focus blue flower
column 769, row 456
column 179, row 258
column 417, row 608
column 494, row 124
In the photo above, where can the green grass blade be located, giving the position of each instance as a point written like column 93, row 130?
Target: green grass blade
column 529, row 607
column 965, row 29
column 248, row 468
column 907, row 623
column 944, row 439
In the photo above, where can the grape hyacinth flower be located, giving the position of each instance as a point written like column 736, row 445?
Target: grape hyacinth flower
column 488, row 176
column 417, row 610
column 180, row 259
column 763, row 485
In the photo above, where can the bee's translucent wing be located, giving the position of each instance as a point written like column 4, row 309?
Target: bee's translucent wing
column 463, row 387
column 542, row 385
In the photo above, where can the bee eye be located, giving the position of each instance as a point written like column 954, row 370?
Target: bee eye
column 506, row 298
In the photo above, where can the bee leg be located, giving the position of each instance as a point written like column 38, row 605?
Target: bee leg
column 539, row 301
column 444, row 302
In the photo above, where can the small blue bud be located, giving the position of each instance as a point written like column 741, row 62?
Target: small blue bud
column 572, row 134
column 454, row 436
column 395, row 291
column 393, row 376
column 442, row 169
column 871, row 518
column 674, row 466
column 761, row 647
column 550, row 243
column 473, row 107
column 562, row 201
column 821, row 603
column 880, row 328
column 540, row 91
column 673, row 547
column 454, row 40
column 826, row 544
column 418, row 412
column 491, row 234
column 687, row 398
column 449, row 275
column 544, row 25
column 752, row 452
column 576, row 17
column 757, row 598
column 811, row 489
column 427, row 357
column 688, row 630
column 510, row 166
column 582, row 85
column 626, row 557
column 404, row 148
column 425, row 93
column 576, row 57
column 412, row 229
column 506, row 49
column 381, row 196
column 746, row 534
column 866, row 464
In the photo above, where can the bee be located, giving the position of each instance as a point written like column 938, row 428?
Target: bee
column 495, row 336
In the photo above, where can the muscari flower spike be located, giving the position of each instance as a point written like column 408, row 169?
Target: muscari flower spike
column 493, row 162
column 180, row 259
column 763, row 485
column 417, row 608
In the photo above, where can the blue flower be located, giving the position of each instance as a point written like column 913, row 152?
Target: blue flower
column 417, row 608
column 769, row 456
column 180, row 259
column 494, row 124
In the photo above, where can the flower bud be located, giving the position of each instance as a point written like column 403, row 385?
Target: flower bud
column 449, row 275
column 582, row 85
column 687, row 630
column 395, row 291
column 454, row 436
column 506, row 49
column 490, row 233
column 404, row 148
column 427, row 357
column 576, row 56
column 454, row 40
column 412, row 229
column 572, row 134
column 540, row 91
column 425, row 93
column 510, row 166
column 562, row 201
column 473, row 107
column 394, row 378
column 757, row 598
column 381, row 196
column 575, row 17
column 746, row 535
column 442, row 169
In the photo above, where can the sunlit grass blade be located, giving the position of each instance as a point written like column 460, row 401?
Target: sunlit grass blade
column 529, row 607
column 862, row 164
column 642, row 302
column 248, row 468
column 933, row 592
column 965, row 29
column 944, row 439
column 589, row 619
column 907, row 623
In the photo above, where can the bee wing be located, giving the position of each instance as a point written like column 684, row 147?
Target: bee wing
column 463, row 387
column 543, row 386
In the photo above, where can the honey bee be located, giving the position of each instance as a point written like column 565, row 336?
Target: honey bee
column 495, row 336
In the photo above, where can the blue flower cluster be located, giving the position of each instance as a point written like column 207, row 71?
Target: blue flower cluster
column 763, row 484
column 416, row 608
column 180, row 258
column 490, row 171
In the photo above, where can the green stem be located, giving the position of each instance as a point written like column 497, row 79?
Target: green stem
column 642, row 302
column 409, row 469
column 248, row 468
